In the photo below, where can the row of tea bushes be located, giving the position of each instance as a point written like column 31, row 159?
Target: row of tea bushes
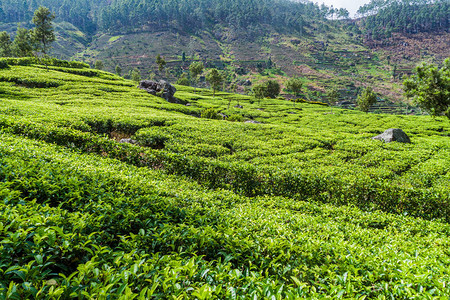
column 318, row 184
column 77, row 225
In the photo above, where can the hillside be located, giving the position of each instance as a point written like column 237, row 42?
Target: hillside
column 281, row 199
column 240, row 37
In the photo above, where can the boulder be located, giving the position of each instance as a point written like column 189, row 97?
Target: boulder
column 128, row 141
column 238, row 106
column 161, row 89
column 393, row 135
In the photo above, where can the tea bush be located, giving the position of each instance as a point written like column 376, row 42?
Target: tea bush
column 300, row 204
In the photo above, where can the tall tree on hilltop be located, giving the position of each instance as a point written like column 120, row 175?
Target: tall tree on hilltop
column 43, row 33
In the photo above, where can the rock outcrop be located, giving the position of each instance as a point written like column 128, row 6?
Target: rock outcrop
column 128, row 141
column 161, row 89
column 393, row 135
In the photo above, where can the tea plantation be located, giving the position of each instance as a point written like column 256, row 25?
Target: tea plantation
column 280, row 200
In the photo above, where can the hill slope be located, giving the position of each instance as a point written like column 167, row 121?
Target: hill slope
column 240, row 36
column 299, row 202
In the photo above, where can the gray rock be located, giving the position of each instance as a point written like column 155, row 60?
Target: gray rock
column 161, row 88
column 128, row 141
column 252, row 122
column 393, row 135
column 238, row 106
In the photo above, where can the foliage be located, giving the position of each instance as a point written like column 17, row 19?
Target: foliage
column 23, row 43
column 407, row 16
column 195, row 69
column 294, row 85
column 267, row 89
column 82, row 13
column 366, row 99
column 28, row 61
column 136, row 75
column 430, row 88
column 210, row 113
column 160, row 61
column 204, row 14
column 235, row 118
column 3, row 64
column 118, row 70
column 5, row 44
column 215, row 80
column 99, row 64
column 43, row 34
column 259, row 90
column 333, row 95
column 302, row 205
column 183, row 80
column 152, row 137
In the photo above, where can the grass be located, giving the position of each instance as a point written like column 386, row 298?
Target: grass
column 303, row 204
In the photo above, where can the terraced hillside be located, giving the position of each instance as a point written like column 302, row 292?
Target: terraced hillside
column 278, row 200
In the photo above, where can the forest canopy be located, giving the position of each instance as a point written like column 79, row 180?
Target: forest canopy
column 380, row 17
column 383, row 17
column 189, row 14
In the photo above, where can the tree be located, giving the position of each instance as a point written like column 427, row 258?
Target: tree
column 333, row 95
column 183, row 80
column 136, row 75
column 160, row 61
column 196, row 68
column 43, row 33
column 259, row 91
column 118, row 70
column 5, row 44
column 23, row 44
column 295, row 85
column 430, row 88
column 343, row 13
column 99, row 65
column 272, row 89
column 366, row 98
column 215, row 79
column 268, row 89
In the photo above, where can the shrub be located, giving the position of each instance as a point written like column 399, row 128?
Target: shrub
column 3, row 65
column 210, row 113
column 235, row 118
column 268, row 89
column 152, row 137
column 183, row 80
column 26, row 61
